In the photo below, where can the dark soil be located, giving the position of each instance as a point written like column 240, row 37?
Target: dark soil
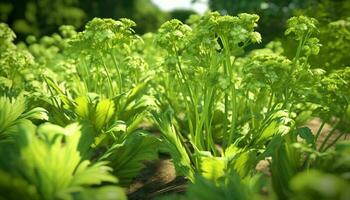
column 157, row 179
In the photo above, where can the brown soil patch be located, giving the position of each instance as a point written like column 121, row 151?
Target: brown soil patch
column 156, row 179
column 315, row 124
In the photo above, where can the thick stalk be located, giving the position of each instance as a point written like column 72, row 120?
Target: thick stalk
column 184, row 78
column 198, row 133
column 228, row 71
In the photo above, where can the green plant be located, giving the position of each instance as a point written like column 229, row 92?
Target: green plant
column 45, row 163
column 233, row 119
column 14, row 112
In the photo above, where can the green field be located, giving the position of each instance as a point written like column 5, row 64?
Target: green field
column 87, row 114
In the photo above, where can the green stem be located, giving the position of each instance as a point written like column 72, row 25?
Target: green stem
column 334, row 141
column 270, row 101
column 207, row 105
column 185, row 80
column 86, row 74
column 192, row 99
column 319, row 130
column 288, row 90
column 229, row 72
column 197, row 132
column 234, row 115
column 321, row 149
column 111, row 91
column 252, row 116
column 118, row 73
column 54, row 100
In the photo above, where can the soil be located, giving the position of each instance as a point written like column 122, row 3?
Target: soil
column 157, row 179
column 314, row 125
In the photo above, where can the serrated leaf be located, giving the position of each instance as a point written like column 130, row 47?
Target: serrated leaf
column 36, row 113
column 174, row 146
column 127, row 158
column 82, row 107
column 92, row 174
column 245, row 162
column 62, row 96
column 104, row 112
column 10, row 110
column 277, row 124
column 52, row 162
column 212, row 167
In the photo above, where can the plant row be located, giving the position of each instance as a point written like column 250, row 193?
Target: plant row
column 80, row 112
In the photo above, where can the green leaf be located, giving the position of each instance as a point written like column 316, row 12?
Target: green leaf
column 82, row 107
column 104, row 112
column 306, row 134
column 49, row 159
column 36, row 113
column 136, row 92
column 102, row 193
column 232, row 187
column 212, row 168
column 13, row 188
column 314, row 184
column 127, row 158
column 277, row 124
column 10, row 111
column 94, row 174
column 174, row 146
column 282, row 168
column 245, row 162
column 62, row 96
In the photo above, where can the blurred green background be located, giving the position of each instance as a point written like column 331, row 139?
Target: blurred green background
column 43, row 17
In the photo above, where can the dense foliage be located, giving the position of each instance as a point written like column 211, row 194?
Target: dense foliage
column 42, row 17
column 79, row 109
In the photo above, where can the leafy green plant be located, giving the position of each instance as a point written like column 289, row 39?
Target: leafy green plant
column 47, row 164
column 103, row 129
column 127, row 158
column 222, row 109
column 230, row 187
column 224, row 128
column 16, row 64
column 14, row 112
column 334, row 37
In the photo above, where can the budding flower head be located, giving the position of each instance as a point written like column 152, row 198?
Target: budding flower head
column 172, row 33
column 300, row 25
column 6, row 34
